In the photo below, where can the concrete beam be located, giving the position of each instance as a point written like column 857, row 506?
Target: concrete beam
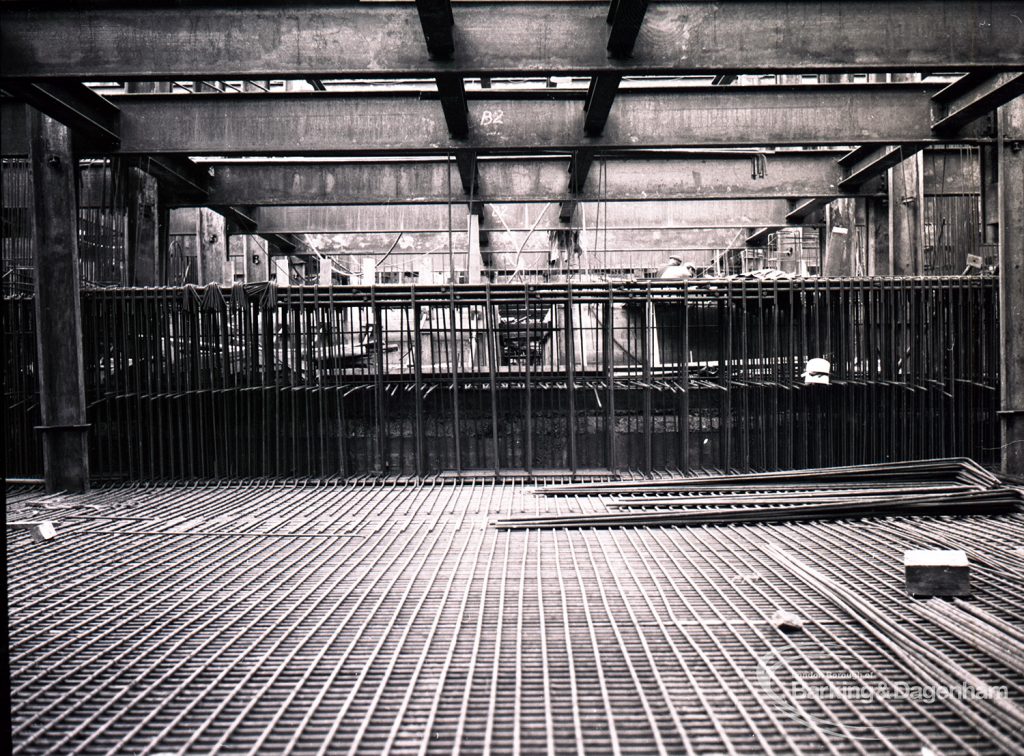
column 787, row 174
column 967, row 99
column 90, row 117
column 868, row 162
column 124, row 40
column 759, row 237
column 520, row 217
column 803, row 209
column 314, row 123
column 974, row 96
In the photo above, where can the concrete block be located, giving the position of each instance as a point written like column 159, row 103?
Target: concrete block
column 41, row 530
column 937, row 572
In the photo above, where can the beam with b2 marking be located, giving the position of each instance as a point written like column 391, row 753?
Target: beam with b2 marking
column 327, row 123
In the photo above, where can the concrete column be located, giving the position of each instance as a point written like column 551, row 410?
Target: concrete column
column 989, row 169
column 1011, row 284
column 368, row 268
column 163, row 239
column 143, row 231
column 475, row 262
column 840, row 238
column 906, row 216
column 282, row 274
column 58, row 306
column 876, row 225
column 326, row 274
column 212, row 248
column 257, row 261
column 906, row 208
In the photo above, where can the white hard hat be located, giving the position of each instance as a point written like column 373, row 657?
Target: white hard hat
column 817, row 371
column 817, row 365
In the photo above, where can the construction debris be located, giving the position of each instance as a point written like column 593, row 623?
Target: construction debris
column 937, row 572
column 786, row 621
column 40, row 531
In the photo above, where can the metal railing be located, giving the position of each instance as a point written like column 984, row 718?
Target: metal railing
column 703, row 376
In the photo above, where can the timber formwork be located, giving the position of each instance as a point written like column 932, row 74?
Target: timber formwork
column 391, row 615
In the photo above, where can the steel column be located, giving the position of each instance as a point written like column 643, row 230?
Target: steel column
column 57, row 306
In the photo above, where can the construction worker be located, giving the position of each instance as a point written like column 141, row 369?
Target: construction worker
column 677, row 269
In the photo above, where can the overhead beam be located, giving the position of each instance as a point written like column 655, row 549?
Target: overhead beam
column 955, row 107
column 802, row 209
column 452, row 92
column 89, row 116
column 629, row 176
column 95, row 120
column 437, row 21
column 332, row 123
column 970, row 98
column 240, row 220
column 125, row 40
column 537, row 179
column 180, row 178
column 760, row 236
column 287, row 244
column 598, row 105
column 519, row 217
column 625, row 18
column 868, row 162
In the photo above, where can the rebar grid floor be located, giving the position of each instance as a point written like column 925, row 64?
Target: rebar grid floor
column 393, row 617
